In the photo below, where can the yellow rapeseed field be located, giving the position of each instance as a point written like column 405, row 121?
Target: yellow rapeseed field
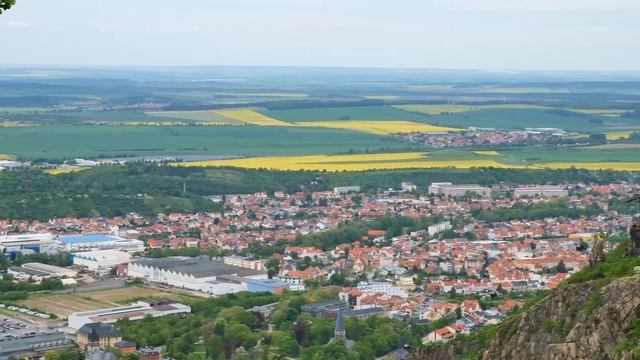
column 65, row 170
column 382, row 127
column 249, row 116
column 7, row 157
column 353, row 162
column 618, row 135
column 487, row 152
column 620, row 166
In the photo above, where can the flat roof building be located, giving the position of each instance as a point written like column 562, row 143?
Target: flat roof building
column 135, row 311
column 540, row 191
column 28, row 244
column 101, row 261
column 450, row 189
column 52, row 270
column 198, row 274
column 92, row 242
column 339, row 190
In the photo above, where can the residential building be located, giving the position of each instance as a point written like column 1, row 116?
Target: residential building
column 98, row 335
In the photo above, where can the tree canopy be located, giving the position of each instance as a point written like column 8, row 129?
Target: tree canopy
column 6, row 5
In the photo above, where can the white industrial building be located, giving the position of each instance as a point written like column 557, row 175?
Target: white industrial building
column 101, row 261
column 540, row 191
column 37, row 272
column 198, row 274
column 135, row 311
column 450, row 189
column 27, row 244
column 92, row 242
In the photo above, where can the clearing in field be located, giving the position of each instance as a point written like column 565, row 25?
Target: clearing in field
column 438, row 109
column 382, row 127
column 62, row 305
column 487, row 152
column 357, row 162
column 249, row 116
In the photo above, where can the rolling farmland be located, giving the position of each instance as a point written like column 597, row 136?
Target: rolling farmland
column 200, row 116
column 359, row 162
column 251, row 117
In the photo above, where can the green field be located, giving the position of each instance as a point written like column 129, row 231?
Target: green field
column 196, row 116
column 346, row 113
column 505, row 116
column 538, row 155
column 55, row 142
column 529, row 118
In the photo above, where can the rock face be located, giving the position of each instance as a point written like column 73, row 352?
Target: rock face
column 597, row 253
column 442, row 352
column 634, row 233
column 577, row 322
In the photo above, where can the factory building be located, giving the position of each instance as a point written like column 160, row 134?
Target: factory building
column 136, row 311
column 101, row 262
column 450, row 189
column 28, row 244
column 204, row 275
column 92, row 242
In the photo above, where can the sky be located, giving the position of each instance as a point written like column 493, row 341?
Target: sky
column 452, row 34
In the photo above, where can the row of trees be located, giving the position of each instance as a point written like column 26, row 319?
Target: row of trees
column 6, row 5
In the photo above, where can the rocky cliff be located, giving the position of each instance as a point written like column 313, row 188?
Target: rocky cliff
column 583, row 321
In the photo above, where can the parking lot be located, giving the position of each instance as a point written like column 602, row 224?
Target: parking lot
column 11, row 328
column 18, row 337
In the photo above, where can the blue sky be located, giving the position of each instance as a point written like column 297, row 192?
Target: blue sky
column 465, row 34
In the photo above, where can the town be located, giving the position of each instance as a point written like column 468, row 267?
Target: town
column 456, row 257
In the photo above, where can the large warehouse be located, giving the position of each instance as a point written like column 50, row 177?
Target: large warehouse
column 92, row 242
column 102, row 261
column 199, row 274
column 27, row 244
